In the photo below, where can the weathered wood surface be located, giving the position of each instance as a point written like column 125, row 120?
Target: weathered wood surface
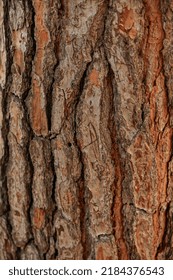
column 86, row 168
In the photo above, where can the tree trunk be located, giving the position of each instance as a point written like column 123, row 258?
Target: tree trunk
column 86, row 167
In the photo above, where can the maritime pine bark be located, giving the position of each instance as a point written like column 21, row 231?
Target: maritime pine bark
column 86, row 116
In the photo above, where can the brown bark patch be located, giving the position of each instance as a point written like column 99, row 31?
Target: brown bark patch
column 127, row 21
column 39, row 119
column 41, row 35
column 94, row 77
column 39, row 217
column 18, row 53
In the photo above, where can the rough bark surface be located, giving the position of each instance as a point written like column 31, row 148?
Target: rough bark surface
column 86, row 117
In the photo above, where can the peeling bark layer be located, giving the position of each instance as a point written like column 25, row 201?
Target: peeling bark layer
column 86, row 129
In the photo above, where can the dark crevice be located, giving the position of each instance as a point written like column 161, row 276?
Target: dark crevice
column 5, row 124
column 111, row 121
column 49, row 105
column 55, row 249
column 51, row 136
column 29, row 57
column 18, row 253
column 31, row 54
column 142, row 113
column 49, row 98
column 112, row 131
column 54, row 178
column 53, row 196
column 30, row 186
column 81, row 182
column 30, row 131
column 166, row 240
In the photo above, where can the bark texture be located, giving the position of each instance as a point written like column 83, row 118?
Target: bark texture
column 86, row 117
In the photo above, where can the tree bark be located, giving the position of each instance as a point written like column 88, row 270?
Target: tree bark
column 86, row 116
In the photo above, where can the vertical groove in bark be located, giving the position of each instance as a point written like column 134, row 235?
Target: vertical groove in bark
column 86, row 245
column 166, row 248
column 117, row 216
column 7, row 247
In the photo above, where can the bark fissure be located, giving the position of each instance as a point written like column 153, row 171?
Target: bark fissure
column 5, row 131
column 117, row 217
column 81, row 181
